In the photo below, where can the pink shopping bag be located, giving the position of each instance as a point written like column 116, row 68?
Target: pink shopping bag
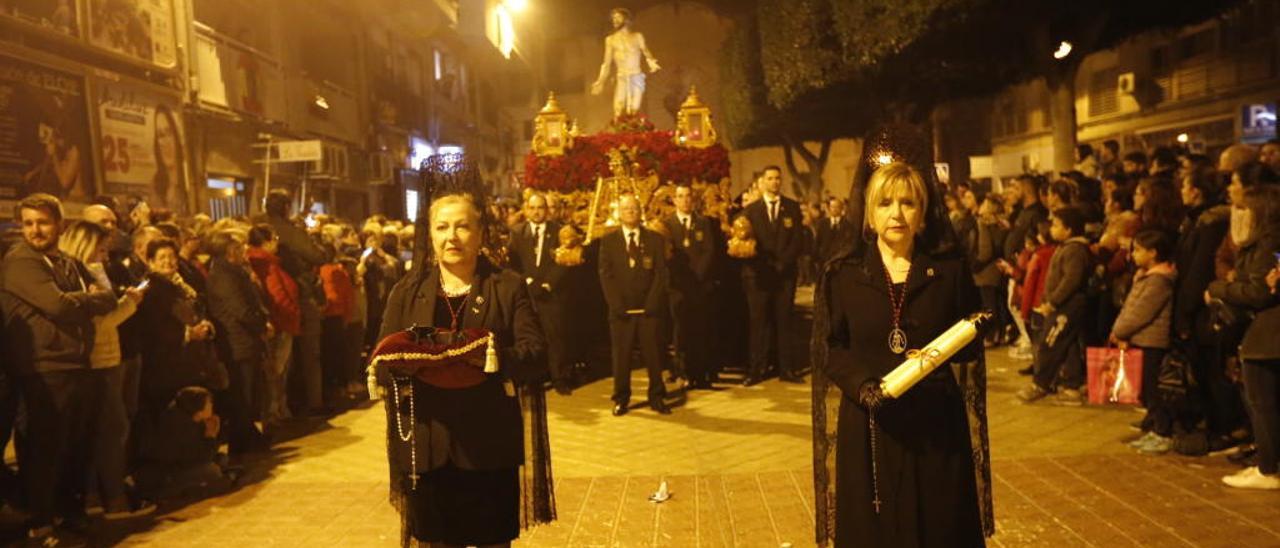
column 1115, row 376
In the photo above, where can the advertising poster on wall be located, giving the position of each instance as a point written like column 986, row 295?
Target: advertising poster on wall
column 142, row 145
column 141, row 29
column 57, row 15
column 44, row 133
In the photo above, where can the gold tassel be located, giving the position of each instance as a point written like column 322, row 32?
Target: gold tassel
column 491, row 357
column 372, row 385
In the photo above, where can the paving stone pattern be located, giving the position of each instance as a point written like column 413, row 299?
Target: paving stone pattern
column 737, row 464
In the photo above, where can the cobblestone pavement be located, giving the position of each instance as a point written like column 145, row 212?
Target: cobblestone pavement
column 737, row 463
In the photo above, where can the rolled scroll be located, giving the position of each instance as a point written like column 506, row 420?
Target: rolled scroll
column 920, row 363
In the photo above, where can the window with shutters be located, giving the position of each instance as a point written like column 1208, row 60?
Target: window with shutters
column 1103, row 93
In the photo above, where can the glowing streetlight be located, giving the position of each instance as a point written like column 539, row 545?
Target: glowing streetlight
column 884, row 159
column 517, row 6
column 1183, row 138
column 1064, row 49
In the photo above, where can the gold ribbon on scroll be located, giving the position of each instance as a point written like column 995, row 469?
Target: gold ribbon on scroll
column 920, row 363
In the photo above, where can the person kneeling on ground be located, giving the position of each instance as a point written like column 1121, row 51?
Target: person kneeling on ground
column 179, row 450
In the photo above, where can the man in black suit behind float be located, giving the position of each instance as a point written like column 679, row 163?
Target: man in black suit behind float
column 834, row 231
column 694, row 269
column 532, row 254
column 633, row 274
column 780, row 239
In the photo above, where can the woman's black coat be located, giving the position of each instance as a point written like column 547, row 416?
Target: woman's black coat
column 925, row 464
column 477, row 428
column 162, row 320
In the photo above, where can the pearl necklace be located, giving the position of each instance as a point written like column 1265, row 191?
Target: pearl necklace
column 455, row 292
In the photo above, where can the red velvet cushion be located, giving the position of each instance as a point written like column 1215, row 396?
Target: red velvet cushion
column 406, row 354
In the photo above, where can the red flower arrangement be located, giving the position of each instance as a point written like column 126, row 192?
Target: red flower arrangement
column 656, row 152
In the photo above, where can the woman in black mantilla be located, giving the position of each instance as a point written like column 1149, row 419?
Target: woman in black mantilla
column 474, row 467
column 898, row 289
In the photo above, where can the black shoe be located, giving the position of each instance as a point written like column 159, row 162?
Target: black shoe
column 1027, row 371
column 750, row 380
column 661, row 407
column 564, row 388
column 619, row 409
column 76, row 523
column 1246, row 456
column 700, row 384
column 791, row 378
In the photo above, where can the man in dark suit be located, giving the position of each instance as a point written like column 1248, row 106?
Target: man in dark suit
column 834, row 231
column 532, row 254
column 780, row 240
column 633, row 275
column 697, row 248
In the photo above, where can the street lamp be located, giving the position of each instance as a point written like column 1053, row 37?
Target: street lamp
column 884, row 158
column 1064, row 49
column 517, row 6
column 1183, row 138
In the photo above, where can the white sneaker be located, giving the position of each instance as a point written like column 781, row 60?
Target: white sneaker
column 1142, row 440
column 1252, row 478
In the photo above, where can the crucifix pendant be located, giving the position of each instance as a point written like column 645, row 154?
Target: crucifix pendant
column 897, row 340
column 876, row 502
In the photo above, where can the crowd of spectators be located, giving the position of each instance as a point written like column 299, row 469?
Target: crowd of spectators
column 1169, row 252
column 158, row 353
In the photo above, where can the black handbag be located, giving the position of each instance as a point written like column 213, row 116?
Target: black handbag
column 1226, row 318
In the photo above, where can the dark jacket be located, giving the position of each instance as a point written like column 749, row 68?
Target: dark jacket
column 634, row 283
column 1068, row 272
column 1026, row 221
column 477, row 428
column 1249, row 292
column 48, row 311
column 778, row 244
column 830, row 239
column 542, row 277
column 925, row 462
column 988, row 249
column 163, row 317
column 237, row 312
column 695, row 256
column 300, row 256
column 1202, row 232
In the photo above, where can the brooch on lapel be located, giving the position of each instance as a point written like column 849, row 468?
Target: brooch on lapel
column 787, row 222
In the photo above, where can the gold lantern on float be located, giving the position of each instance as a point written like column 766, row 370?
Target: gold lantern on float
column 693, row 123
column 551, row 132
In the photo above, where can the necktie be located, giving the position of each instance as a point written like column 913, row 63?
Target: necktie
column 633, row 248
column 537, row 249
column 773, row 211
column 687, row 221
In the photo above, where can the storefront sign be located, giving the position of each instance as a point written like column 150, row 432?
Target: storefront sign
column 56, row 15
column 299, row 151
column 141, row 144
column 1258, row 122
column 141, row 29
column 44, row 132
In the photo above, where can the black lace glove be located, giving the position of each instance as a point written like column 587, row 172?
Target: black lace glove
column 870, row 395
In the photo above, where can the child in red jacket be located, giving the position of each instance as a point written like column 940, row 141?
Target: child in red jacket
column 340, row 305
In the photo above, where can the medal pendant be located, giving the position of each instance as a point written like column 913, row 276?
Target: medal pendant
column 897, row 341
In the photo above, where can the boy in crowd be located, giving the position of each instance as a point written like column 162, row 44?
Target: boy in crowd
column 1059, row 355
